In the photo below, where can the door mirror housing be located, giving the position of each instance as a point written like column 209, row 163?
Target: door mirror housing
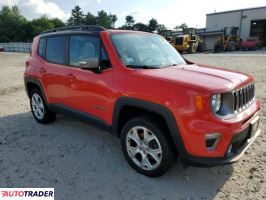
column 89, row 63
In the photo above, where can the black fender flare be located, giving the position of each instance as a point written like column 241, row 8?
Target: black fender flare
column 36, row 82
column 155, row 108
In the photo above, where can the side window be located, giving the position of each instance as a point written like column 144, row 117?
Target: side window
column 105, row 61
column 55, row 49
column 41, row 48
column 83, row 46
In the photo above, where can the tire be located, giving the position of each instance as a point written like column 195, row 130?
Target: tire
column 143, row 137
column 218, row 48
column 231, row 46
column 39, row 109
column 202, row 47
column 192, row 48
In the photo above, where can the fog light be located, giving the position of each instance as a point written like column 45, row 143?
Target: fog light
column 212, row 140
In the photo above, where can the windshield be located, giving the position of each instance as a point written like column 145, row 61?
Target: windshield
column 145, row 51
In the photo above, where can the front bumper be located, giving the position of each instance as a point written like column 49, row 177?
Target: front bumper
column 243, row 140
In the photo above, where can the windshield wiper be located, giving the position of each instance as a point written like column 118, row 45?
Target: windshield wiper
column 142, row 67
column 171, row 65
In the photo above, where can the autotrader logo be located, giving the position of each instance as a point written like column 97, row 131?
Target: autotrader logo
column 27, row 193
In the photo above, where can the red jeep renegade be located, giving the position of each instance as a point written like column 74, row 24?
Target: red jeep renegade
column 136, row 86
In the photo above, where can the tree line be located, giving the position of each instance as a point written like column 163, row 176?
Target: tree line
column 16, row 28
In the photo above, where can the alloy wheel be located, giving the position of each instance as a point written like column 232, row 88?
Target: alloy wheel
column 37, row 106
column 144, row 148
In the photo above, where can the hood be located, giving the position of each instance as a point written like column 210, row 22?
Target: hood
column 213, row 79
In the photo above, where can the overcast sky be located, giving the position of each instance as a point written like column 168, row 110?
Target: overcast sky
column 168, row 12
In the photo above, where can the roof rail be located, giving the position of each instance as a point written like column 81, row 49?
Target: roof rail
column 75, row 28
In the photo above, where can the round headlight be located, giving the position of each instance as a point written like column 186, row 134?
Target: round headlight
column 216, row 102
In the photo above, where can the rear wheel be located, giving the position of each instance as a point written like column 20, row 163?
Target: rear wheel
column 202, row 47
column 218, row 47
column 146, row 146
column 39, row 109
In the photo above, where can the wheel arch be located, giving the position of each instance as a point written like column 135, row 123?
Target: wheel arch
column 144, row 107
column 31, row 83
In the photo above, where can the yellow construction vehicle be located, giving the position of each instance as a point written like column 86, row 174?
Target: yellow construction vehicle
column 229, row 40
column 189, row 41
column 167, row 34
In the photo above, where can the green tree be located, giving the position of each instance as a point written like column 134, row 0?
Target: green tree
column 12, row 24
column 176, row 27
column 57, row 23
column 140, row 27
column 161, row 28
column 182, row 26
column 152, row 26
column 90, row 19
column 112, row 19
column 41, row 24
column 130, row 21
column 105, row 20
column 77, row 17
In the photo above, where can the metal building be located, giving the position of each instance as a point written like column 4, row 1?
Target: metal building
column 250, row 21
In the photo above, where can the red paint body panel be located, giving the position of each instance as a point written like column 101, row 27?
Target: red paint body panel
column 251, row 43
column 174, row 88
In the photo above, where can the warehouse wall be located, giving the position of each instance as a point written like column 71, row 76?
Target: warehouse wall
column 259, row 13
column 220, row 20
column 210, row 40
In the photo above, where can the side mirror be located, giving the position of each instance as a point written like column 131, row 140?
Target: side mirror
column 89, row 63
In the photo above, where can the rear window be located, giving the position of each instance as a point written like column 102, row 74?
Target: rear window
column 41, row 48
column 55, row 49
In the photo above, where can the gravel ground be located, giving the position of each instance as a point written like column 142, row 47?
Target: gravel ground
column 82, row 162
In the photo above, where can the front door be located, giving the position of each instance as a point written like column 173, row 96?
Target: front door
column 91, row 90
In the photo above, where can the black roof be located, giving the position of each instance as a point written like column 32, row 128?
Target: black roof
column 89, row 28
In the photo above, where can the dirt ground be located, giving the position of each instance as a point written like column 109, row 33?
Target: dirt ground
column 82, row 162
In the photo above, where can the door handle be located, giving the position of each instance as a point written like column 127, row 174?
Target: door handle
column 42, row 70
column 71, row 76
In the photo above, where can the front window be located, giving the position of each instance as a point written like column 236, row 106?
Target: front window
column 82, row 47
column 137, row 50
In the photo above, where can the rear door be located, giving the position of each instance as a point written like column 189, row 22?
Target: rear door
column 54, row 73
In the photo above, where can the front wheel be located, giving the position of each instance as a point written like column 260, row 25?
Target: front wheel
column 192, row 48
column 146, row 146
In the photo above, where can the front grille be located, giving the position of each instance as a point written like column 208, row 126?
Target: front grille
column 243, row 97
column 179, row 40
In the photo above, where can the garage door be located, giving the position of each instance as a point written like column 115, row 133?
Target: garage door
column 258, row 28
